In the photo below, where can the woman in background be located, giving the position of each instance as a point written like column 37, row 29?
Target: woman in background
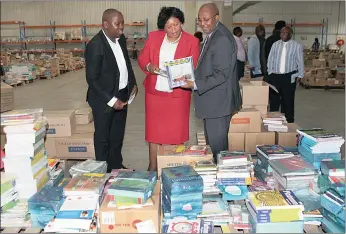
column 166, row 110
column 315, row 45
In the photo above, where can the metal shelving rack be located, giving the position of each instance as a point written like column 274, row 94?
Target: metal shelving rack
column 22, row 38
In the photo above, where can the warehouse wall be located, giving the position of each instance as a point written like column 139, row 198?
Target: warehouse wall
column 303, row 12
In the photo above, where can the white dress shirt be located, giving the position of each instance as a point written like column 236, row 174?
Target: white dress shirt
column 120, row 59
column 283, row 59
column 167, row 52
column 241, row 53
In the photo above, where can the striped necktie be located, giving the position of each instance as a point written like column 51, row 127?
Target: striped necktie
column 205, row 43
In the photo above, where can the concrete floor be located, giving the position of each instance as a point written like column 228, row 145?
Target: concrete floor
column 314, row 108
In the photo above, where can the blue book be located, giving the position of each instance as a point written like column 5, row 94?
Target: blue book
column 183, row 179
column 333, row 168
column 131, row 188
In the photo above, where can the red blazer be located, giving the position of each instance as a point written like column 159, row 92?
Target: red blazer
column 188, row 46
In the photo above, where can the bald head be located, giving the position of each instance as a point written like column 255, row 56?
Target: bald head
column 211, row 7
column 208, row 16
column 109, row 14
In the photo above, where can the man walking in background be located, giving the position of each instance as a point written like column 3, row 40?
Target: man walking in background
column 217, row 93
column 285, row 65
column 255, row 45
column 111, row 83
column 241, row 52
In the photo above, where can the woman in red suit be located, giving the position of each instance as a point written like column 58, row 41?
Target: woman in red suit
column 166, row 110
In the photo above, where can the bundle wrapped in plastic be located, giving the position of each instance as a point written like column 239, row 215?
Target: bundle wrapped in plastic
column 88, row 166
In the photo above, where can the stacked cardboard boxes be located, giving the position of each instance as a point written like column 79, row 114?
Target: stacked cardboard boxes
column 255, row 93
column 68, row 140
column 246, row 131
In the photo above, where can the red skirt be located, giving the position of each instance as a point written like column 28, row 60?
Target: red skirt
column 167, row 119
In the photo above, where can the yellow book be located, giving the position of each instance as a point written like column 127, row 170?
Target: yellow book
column 276, row 206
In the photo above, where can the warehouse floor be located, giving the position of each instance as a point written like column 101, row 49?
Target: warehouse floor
column 314, row 108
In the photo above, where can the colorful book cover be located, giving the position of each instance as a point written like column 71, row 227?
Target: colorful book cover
column 273, row 151
column 131, row 188
column 186, row 226
column 292, row 166
column 84, row 183
column 333, row 168
column 318, row 134
column 214, row 206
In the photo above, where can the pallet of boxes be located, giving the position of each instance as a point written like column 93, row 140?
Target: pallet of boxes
column 70, row 136
column 327, row 71
column 248, row 127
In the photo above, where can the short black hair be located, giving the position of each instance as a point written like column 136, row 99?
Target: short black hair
column 168, row 12
column 237, row 30
column 280, row 25
column 199, row 35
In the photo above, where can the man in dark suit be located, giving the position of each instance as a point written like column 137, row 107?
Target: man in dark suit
column 111, row 83
column 217, row 94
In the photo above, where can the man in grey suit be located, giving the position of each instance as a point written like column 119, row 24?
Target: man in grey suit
column 216, row 88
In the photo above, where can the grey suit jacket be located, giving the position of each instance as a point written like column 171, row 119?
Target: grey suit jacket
column 218, row 92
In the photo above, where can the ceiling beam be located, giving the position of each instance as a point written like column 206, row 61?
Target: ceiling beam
column 244, row 6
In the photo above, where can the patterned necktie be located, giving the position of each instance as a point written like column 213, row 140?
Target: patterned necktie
column 205, row 43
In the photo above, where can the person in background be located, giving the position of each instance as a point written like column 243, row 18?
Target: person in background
column 285, row 65
column 216, row 86
column 111, row 82
column 199, row 36
column 273, row 38
column 134, row 50
column 167, row 110
column 255, row 46
column 241, row 52
column 316, row 45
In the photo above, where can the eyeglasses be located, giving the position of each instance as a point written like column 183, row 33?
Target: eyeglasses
column 206, row 20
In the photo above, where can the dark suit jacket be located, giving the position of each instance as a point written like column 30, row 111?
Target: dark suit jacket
column 102, row 72
column 218, row 91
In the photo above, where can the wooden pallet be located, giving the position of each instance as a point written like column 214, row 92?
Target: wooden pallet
column 63, row 71
column 229, row 229
column 325, row 87
column 29, row 81
column 44, row 77
column 14, row 85
column 21, row 230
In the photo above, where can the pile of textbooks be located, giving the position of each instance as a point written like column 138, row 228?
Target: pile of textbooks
column 182, row 192
column 235, row 172
column 207, row 170
column 25, row 152
column 317, row 144
column 274, row 122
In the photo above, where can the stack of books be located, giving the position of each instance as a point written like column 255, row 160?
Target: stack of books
column 332, row 187
column 201, row 140
column 215, row 210
column 292, row 173
column 81, row 205
column 88, row 166
column 317, row 144
column 207, row 170
column 235, row 172
column 132, row 189
column 275, row 212
column 9, row 193
column 25, row 153
column 239, row 217
column 274, row 122
column 182, row 192
column 44, row 205
column 17, row 216
column 56, row 174
column 263, row 170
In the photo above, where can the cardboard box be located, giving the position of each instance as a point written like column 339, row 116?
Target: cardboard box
column 61, row 123
column 50, row 145
column 254, row 92
column 166, row 158
column 262, row 108
column 319, row 63
column 85, row 128
column 288, row 139
column 246, row 120
column 113, row 220
column 236, row 141
column 7, row 97
column 252, row 139
column 84, row 116
column 78, row 146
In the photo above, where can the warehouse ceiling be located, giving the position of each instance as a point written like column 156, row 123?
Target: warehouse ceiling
column 244, row 6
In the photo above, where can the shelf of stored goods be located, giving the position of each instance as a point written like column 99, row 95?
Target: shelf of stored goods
column 20, row 34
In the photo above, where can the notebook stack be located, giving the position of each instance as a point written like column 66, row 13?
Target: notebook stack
column 235, row 172
column 274, row 122
column 275, row 212
column 292, row 173
column 201, row 140
column 25, row 153
column 9, row 193
column 332, row 186
column 182, row 192
column 17, row 216
column 316, row 145
column 215, row 210
column 44, row 205
column 78, row 211
column 207, row 170
column 263, row 170
column 132, row 189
